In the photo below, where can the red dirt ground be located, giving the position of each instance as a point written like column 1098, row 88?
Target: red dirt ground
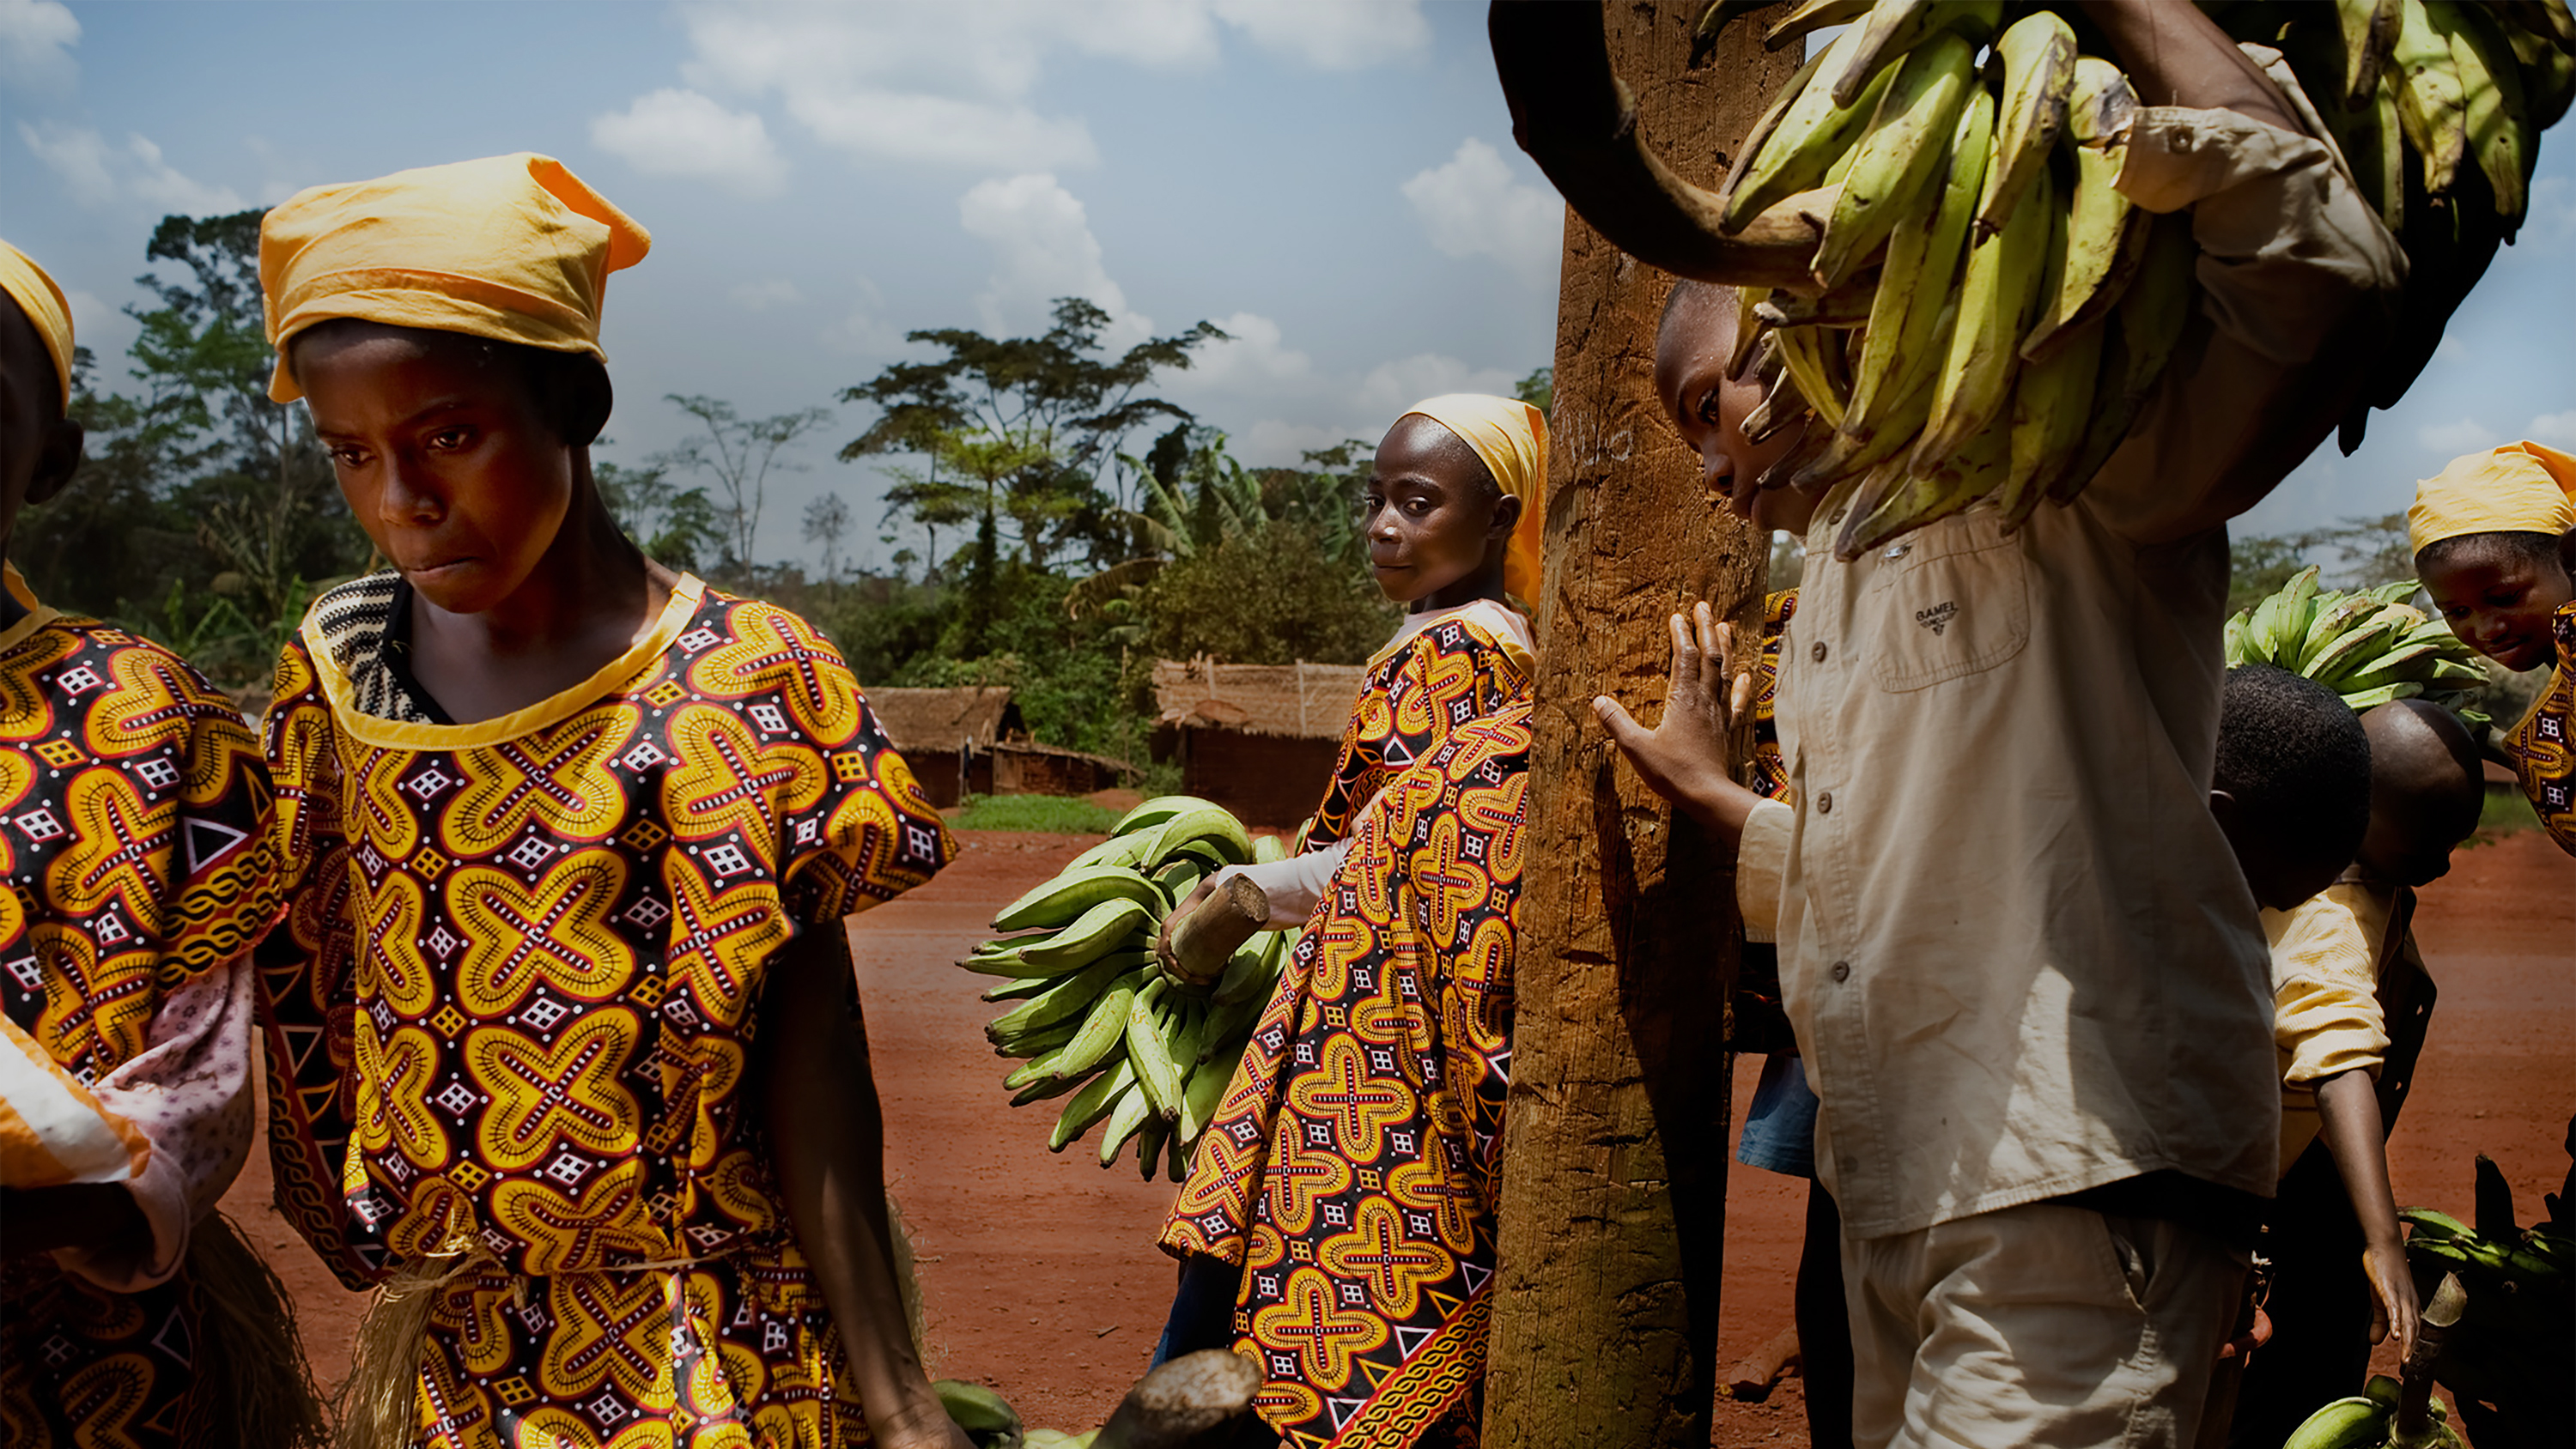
column 1039, row 1271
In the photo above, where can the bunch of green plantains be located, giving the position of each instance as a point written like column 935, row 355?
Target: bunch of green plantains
column 1141, row 1054
column 1199, row 1400
column 2369, row 647
column 2507, row 1362
column 1979, row 314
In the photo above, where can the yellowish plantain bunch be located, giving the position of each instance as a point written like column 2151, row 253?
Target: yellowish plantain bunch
column 2370, row 647
column 1989, row 312
column 2436, row 107
column 1142, row 1056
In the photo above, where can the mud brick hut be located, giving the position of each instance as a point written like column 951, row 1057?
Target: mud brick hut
column 972, row 741
column 1257, row 739
column 948, row 735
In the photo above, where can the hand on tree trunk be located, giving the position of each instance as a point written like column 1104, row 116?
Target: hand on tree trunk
column 1685, row 757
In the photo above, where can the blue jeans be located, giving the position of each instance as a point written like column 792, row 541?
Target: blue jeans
column 1780, row 1125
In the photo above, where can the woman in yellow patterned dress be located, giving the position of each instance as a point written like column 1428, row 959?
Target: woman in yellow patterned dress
column 562, row 1016
column 1410, row 992
column 134, row 817
column 2495, row 545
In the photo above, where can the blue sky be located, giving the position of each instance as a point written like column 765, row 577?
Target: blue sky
column 1332, row 181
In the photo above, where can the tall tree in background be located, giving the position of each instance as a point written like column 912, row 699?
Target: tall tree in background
column 827, row 522
column 200, row 491
column 1060, row 396
column 739, row 453
column 269, row 507
column 677, row 526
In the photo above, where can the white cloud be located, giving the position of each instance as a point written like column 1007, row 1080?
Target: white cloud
column 36, row 39
column 937, row 84
column 952, row 85
column 100, row 174
column 1275, row 443
column 1252, row 358
column 2460, row 435
column 1044, row 249
column 1392, row 387
column 2558, row 430
column 762, row 295
column 941, row 130
column 1471, row 206
column 682, row 133
column 1333, row 34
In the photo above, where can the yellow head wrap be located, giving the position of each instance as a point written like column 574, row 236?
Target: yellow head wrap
column 2516, row 488
column 1511, row 437
column 42, row 301
column 513, row 248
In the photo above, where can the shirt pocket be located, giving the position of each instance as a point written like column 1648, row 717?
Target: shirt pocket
column 1951, row 600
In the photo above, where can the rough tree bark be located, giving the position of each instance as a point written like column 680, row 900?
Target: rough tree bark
column 1614, row 1179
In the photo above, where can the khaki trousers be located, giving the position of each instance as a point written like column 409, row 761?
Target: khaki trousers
column 2036, row 1325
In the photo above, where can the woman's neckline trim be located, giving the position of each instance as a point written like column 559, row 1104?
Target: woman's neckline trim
column 686, row 596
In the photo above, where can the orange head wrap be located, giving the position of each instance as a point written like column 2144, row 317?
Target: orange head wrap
column 513, row 248
column 1511, row 437
column 42, row 301
column 2515, row 488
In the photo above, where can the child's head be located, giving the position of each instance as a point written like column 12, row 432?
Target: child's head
column 40, row 448
column 2495, row 545
column 2291, row 787
column 1708, row 407
column 443, row 327
column 2426, row 790
column 1451, row 510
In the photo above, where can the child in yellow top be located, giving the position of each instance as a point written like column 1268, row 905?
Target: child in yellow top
column 2332, row 956
column 2494, row 536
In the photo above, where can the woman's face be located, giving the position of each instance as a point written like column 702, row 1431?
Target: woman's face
column 1708, row 408
column 2499, row 601
column 443, row 455
column 1433, row 517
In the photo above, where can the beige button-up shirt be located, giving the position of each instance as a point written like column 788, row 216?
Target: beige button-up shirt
column 2019, row 955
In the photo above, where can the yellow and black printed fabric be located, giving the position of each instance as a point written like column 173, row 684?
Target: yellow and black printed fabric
column 512, row 1014
column 2541, row 747
column 1770, row 774
column 1354, row 1163
column 134, row 817
column 1415, row 692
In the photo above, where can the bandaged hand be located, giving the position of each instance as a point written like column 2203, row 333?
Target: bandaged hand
column 1293, row 886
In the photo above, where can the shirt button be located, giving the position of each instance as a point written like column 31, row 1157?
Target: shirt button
column 1825, row 803
column 1817, row 654
column 1842, row 971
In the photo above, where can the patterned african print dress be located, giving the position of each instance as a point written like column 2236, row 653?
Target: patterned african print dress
column 1462, row 664
column 1353, row 1163
column 515, row 998
column 2543, row 752
column 134, row 819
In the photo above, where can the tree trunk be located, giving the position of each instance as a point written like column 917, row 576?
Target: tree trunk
column 1614, row 1179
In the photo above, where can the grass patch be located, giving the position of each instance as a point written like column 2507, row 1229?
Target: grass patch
column 1058, row 814
column 2505, row 811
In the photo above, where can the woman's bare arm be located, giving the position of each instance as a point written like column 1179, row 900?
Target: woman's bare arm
column 820, row 1100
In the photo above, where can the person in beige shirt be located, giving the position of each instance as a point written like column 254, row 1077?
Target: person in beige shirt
column 2024, row 968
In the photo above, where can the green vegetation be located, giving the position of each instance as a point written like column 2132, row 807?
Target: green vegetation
column 2505, row 812
column 1060, row 563
column 1054, row 814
